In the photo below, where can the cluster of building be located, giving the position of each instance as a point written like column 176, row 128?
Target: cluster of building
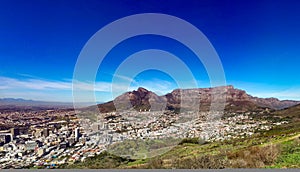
column 155, row 125
column 46, row 143
column 26, row 118
column 60, row 137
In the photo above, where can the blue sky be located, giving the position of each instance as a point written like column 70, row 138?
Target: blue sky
column 257, row 42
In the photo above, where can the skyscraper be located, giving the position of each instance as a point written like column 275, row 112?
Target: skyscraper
column 77, row 133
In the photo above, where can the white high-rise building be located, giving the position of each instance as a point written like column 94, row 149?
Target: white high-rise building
column 77, row 133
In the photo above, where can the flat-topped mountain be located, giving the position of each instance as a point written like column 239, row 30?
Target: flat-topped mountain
column 189, row 99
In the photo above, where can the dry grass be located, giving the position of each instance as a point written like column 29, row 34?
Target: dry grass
column 202, row 162
column 255, row 157
column 155, row 163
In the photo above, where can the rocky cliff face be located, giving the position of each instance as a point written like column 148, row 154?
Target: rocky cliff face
column 140, row 99
column 235, row 100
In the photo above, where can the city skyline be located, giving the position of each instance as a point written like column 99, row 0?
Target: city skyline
column 257, row 43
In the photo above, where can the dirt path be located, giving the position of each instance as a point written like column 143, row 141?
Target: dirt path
column 282, row 140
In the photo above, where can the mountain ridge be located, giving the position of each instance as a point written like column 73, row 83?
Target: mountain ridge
column 237, row 100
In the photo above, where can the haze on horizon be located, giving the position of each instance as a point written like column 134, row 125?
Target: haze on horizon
column 257, row 42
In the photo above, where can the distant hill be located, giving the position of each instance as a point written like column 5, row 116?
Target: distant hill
column 236, row 100
column 11, row 104
column 24, row 102
column 291, row 112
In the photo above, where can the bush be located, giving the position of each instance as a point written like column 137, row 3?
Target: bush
column 102, row 161
column 254, row 157
column 290, row 156
column 192, row 141
column 202, row 162
column 296, row 141
column 155, row 163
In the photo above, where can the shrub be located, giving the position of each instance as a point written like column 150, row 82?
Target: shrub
column 192, row 141
column 155, row 163
column 202, row 162
column 254, row 157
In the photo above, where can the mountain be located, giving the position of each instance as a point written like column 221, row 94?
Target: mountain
column 12, row 104
column 236, row 100
column 240, row 98
column 34, row 103
column 274, row 103
column 139, row 99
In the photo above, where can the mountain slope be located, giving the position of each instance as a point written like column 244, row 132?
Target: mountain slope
column 291, row 112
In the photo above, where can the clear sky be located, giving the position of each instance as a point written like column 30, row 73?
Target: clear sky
column 257, row 41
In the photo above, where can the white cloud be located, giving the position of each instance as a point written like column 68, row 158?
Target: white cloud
column 124, row 78
column 42, row 89
column 40, row 84
column 34, row 84
column 158, row 86
column 288, row 94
